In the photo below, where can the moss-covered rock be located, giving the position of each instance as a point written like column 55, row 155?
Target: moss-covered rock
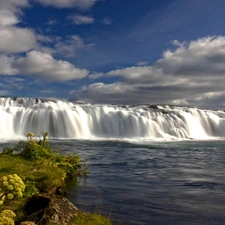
column 44, row 209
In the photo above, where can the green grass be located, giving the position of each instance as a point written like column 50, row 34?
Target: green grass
column 43, row 170
column 13, row 164
column 90, row 219
column 47, row 177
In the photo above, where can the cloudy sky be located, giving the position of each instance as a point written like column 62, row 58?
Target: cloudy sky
column 114, row 51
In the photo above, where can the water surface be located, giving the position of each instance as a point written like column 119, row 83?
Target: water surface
column 158, row 183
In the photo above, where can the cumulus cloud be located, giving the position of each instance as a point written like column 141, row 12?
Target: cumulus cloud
column 15, row 40
column 114, row 93
column 7, row 18
column 134, row 73
column 207, row 100
column 133, row 92
column 79, row 19
column 43, row 65
column 38, row 61
column 192, row 74
column 81, row 4
column 203, row 57
column 14, row 5
column 139, row 74
column 6, row 66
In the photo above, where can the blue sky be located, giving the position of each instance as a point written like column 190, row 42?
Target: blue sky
column 114, row 51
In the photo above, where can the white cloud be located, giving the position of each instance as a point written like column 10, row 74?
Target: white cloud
column 6, row 66
column 79, row 19
column 95, row 75
column 192, row 74
column 69, row 46
column 143, row 63
column 7, row 18
column 207, row 100
column 43, row 65
column 203, row 57
column 43, row 39
column 14, row 5
column 177, row 43
column 81, row 4
column 104, row 93
column 133, row 73
column 15, row 40
column 139, row 74
column 38, row 61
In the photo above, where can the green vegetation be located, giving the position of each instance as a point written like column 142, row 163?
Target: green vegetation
column 11, row 187
column 32, row 167
column 90, row 219
column 7, row 217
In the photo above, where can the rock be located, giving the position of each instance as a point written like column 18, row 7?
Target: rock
column 43, row 209
column 153, row 106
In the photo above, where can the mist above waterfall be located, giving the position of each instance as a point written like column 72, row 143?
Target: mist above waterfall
column 18, row 116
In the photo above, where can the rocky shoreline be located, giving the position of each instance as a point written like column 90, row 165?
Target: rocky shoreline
column 43, row 209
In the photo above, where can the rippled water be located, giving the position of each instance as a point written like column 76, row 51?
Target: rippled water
column 158, row 183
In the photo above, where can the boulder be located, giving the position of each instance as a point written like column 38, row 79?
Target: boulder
column 43, row 209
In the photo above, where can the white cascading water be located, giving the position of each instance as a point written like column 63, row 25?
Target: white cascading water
column 19, row 116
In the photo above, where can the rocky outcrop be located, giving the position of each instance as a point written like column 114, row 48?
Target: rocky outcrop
column 42, row 209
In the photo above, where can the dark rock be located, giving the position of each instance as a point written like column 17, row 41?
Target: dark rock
column 164, row 112
column 153, row 106
column 59, row 191
column 43, row 209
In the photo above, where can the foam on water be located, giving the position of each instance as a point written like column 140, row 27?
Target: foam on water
column 18, row 116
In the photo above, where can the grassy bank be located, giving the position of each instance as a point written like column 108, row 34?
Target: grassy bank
column 32, row 167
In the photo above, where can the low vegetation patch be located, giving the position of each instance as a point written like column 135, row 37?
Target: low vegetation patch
column 89, row 219
column 32, row 167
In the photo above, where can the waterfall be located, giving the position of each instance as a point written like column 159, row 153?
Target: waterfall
column 19, row 116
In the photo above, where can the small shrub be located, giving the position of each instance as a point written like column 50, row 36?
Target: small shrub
column 11, row 186
column 32, row 149
column 31, row 189
column 7, row 217
column 72, row 165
